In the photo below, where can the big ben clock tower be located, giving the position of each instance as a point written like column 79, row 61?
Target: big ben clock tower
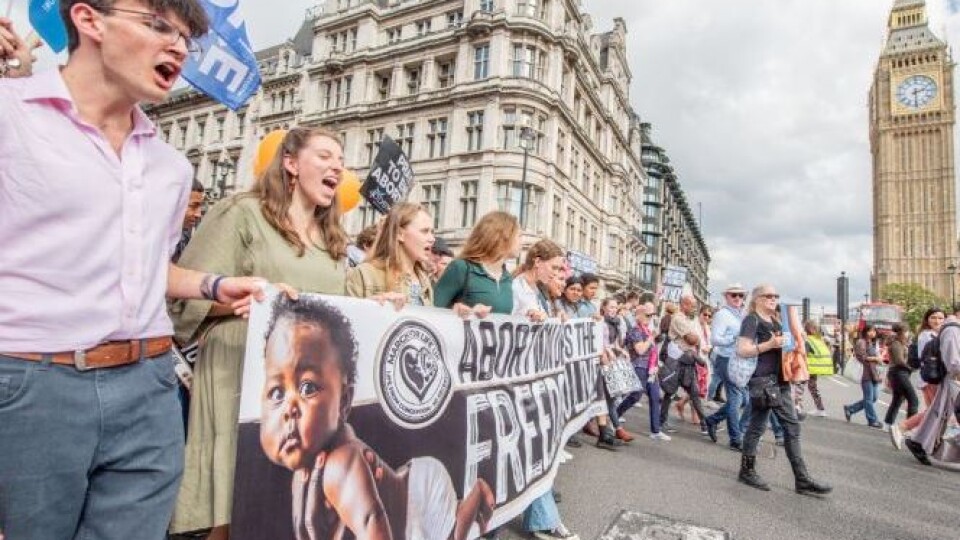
column 911, row 142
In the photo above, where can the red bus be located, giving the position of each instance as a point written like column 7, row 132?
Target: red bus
column 879, row 314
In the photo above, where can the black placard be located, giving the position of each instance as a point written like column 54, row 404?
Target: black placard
column 390, row 178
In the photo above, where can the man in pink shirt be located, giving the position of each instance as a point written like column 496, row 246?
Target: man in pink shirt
column 91, row 203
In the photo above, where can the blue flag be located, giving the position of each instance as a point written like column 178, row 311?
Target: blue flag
column 226, row 68
column 45, row 19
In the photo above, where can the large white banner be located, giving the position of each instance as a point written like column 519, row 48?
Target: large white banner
column 442, row 427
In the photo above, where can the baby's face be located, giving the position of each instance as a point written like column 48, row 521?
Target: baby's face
column 302, row 396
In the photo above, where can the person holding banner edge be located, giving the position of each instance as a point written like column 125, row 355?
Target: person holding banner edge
column 96, row 370
column 397, row 270
column 544, row 262
column 288, row 229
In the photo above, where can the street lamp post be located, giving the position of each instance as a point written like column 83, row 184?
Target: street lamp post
column 953, row 284
column 526, row 137
column 224, row 167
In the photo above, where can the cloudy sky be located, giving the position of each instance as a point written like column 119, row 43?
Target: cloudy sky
column 762, row 109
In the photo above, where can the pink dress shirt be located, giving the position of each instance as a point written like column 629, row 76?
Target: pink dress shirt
column 85, row 234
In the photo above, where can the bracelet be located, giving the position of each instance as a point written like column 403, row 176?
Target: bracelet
column 215, row 289
column 208, row 286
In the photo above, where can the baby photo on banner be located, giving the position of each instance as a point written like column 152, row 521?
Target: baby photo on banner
column 359, row 421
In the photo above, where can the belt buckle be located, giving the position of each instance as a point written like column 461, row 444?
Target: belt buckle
column 80, row 360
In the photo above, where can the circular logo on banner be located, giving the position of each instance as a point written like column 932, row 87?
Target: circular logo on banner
column 413, row 379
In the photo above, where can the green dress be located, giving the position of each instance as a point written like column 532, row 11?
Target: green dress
column 234, row 239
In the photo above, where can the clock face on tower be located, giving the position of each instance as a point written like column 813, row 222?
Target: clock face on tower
column 917, row 91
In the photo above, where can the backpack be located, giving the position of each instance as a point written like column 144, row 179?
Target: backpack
column 932, row 368
column 913, row 356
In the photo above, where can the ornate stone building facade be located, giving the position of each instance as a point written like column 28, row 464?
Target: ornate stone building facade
column 498, row 103
column 911, row 139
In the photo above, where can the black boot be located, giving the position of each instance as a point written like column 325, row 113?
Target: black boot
column 606, row 439
column 805, row 484
column 748, row 473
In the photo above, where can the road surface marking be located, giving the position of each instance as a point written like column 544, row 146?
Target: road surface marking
column 838, row 381
column 639, row 526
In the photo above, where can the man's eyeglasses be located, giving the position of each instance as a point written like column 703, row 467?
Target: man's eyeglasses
column 161, row 26
column 770, row 296
column 736, row 295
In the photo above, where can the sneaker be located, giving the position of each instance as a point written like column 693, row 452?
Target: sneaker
column 712, row 430
column 896, row 437
column 876, row 425
column 660, row 437
column 669, row 428
column 574, row 442
column 560, row 533
column 820, row 413
column 846, row 413
column 564, row 456
column 736, row 446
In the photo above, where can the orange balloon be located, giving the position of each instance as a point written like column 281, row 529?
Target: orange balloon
column 348, row 191
column 266, row 151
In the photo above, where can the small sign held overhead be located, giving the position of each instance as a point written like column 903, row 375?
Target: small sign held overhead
column 390, row 178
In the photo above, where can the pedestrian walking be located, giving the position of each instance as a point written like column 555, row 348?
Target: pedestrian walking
column 761, row 335
column 867, row 352
column 724, row 333
column 641, row 345
column 898, row 377
column 819, row 363
column 930, row 326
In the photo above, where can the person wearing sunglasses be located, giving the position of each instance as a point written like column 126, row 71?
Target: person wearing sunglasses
column 724, row 331
column 761, row 335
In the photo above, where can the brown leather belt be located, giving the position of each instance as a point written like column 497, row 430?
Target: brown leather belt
column 106, row 355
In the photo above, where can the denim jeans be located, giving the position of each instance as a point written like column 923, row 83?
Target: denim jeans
column 736, row 411
column 542, row 514
column 652, row 389
column 88, row 455
column 866, row 404
column 719, row 375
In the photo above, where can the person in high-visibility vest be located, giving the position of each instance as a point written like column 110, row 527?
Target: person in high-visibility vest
column 819, row 362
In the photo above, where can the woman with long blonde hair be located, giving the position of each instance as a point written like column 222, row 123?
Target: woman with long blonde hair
column 477, row 282
column 286, row 230
column 761, row 335
column 397, row 271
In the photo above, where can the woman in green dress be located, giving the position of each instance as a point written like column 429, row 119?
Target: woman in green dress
column 287, row 230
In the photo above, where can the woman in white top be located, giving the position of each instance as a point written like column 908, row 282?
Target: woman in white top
column 543, row 263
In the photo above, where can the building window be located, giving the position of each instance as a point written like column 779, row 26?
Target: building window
column 562, row 150
column 575, row 166
column 510, row 129
column 437, row 137
column 344, row 86
column 612, row 249
column 481, row 62
column 528, row 61
column 165, row 130
column 555, row 227
column 510, row 196
column 455, row 19
column 486, row 5
column 353, row 39
column 423, row 27
column 432, row 198
column 201, row 126
column 468, row 203
column 582, row 246
column 368, row 215
column 528, row 8
column 446, row 73
column 597, row 188
column 374, row 136
column 405, row 138
column 474, row 131
column 383, row 85
column 593, row 241
column 219, row 121
column 571, row 218
column 394, row 34
column 413, row 80
column 241, row 119
column 585, row 180
column 327, row 98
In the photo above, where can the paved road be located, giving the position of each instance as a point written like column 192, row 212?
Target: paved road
column 879, row 493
